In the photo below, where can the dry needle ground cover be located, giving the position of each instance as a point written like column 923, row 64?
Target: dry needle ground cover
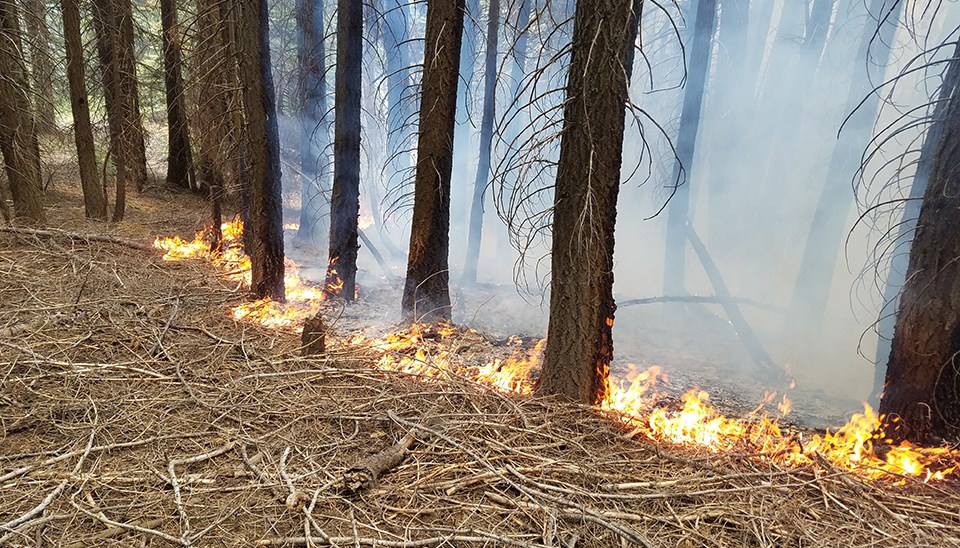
column 135, row 412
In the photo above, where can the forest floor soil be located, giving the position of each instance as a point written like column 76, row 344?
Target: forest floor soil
column 135, row 411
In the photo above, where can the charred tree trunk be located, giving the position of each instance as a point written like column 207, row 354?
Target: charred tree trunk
column 921, row 399
column 264, row 193
column 179, row 156
column 41, row 65
column 94, row 198
column 18, row 139
column 314, row 224
column 426, row 292
column 486, row 144
column 580, row 341
column 812, row 289
column 345, row 203
column 678, row 211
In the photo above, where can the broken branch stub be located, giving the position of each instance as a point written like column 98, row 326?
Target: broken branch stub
column 314, row 337
column 365, row 472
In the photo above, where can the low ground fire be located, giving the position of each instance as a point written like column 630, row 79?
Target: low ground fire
column 633, row 397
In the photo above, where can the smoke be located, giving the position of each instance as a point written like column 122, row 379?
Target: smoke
column 782, row 81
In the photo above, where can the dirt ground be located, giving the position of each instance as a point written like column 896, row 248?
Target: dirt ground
column 135, row 412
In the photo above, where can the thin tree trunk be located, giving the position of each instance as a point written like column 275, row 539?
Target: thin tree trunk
column 920, row 399
column 580, row 342
column 678, row 211
column 815, row 277
column 17, row 128
column 486, row 144
column 264, row 228
column 314, row 207
column 94, row 198
column 399, row 111
column 133, row 134
column 41, row 64
column 179, row 156
column 426, row 292
column 345, row 202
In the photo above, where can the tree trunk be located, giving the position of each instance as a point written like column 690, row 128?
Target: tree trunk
column 486, row 144
column 18, row 137
column 112, row 21
column 41, row 65
column 314, row 206
column 179, row 156
column 921, row 400
column 732, row 91
column 264, row 231
column 426, row 292
column 827, row 230
column 678, row 211
column 345, row 202
column 580, row 342
column 399, row 111
column 94, row 198
column 899, row 262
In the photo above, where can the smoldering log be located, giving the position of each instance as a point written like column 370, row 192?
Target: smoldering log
column 365, row 472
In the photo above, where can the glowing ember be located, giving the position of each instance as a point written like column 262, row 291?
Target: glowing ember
column 635, row 400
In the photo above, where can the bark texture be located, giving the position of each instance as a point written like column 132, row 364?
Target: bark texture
column 426, row 292
column 264, row 229
column 113, row 22
column 580, row 342
column 18, row 138
column 345, row 202
column 179, row 156
column 922, row 392
column 94, row 197
column 41, row 64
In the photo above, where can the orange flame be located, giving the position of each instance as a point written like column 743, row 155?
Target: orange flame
column 635, row 399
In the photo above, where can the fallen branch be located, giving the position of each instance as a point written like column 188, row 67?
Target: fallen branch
column 749, row 339
column 699, row 299
column 364, row 473
column 57, row 233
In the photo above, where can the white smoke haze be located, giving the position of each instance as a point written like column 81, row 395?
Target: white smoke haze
column 763, row 156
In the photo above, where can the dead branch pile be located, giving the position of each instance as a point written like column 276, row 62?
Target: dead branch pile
column 132, row 411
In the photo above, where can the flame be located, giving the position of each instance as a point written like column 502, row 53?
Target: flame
column 303, row 300
column 634, row 398
column 365, row 220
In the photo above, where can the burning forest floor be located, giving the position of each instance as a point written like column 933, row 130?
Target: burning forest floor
column 135, row 410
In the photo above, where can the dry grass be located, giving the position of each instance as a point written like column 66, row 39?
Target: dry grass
column 134, row 412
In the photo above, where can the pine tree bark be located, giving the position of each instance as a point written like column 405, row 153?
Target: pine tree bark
column 41, row 65
column 486, row 144
column 345, row 202
column 179, row 155
column 18, row 138
column 263, row 227
column 314, row 207
column 113, row 23
column 580, row 342
column 900, row 262
column 426, row 292
column 921, row 399
column 94, row 197
column 399, row 111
